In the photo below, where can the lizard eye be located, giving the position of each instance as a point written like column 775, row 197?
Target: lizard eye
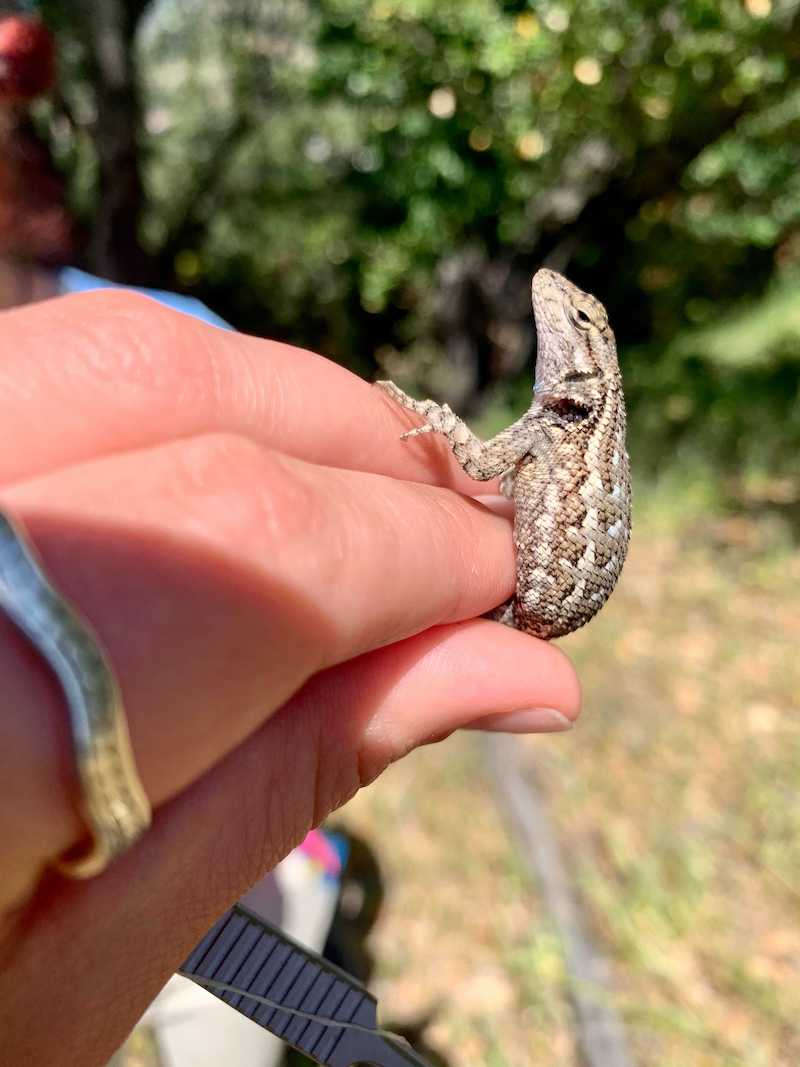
column 580, row 375
column 581, row 318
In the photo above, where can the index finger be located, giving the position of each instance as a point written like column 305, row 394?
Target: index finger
column 98, row 373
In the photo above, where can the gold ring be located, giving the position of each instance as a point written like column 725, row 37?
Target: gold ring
column 115, row 806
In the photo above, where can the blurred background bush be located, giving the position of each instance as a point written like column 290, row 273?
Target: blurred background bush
column 378, row 179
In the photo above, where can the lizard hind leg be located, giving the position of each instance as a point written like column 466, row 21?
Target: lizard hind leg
column 504, row 613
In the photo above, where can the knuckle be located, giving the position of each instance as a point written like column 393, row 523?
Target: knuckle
column 211, row 459
column 139, row 344
column 228, row 462
column 261, row 499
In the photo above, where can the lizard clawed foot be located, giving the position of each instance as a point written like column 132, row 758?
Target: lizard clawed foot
column 395, row 392
column 427, row 428
column 419, row 407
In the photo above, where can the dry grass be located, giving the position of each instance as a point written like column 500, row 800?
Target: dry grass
column 677, row 799
column 461, row 935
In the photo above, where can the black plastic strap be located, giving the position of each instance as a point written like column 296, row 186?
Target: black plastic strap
column 294, row 993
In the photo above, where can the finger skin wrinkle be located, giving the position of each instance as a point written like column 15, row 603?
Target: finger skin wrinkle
column 277, row 509
column 131, row 341
column 123, row 364
column 138, row 364
column 149, row 331
column 129, row 373
column 283, row 516
column 462, row 515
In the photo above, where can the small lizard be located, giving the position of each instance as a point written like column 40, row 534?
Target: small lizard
column 564, row 463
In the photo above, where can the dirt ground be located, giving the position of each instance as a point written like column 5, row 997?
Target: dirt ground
column 677, row 801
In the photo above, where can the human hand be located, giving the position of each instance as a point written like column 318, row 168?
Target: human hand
column 289, row 600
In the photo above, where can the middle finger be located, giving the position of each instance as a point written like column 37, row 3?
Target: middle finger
column 220, row 576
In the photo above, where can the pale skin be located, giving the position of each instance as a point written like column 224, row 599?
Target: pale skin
column 289, row 595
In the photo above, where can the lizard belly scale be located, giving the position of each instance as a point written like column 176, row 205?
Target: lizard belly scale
column 571, row 546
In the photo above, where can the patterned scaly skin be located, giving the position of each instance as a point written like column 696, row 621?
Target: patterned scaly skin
column 564, row 463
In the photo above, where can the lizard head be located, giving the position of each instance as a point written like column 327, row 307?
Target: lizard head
column 577, row 354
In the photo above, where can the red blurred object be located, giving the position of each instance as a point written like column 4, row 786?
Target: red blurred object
column 35, row 223
column 27, row 59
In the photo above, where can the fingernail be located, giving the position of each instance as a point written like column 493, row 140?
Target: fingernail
column 524, row 721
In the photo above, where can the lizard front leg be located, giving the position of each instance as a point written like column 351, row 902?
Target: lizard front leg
column 482, row 460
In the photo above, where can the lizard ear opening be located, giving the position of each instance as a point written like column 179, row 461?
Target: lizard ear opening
column 567, row 410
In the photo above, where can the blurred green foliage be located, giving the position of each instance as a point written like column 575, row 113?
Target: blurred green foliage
column 379, row 178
